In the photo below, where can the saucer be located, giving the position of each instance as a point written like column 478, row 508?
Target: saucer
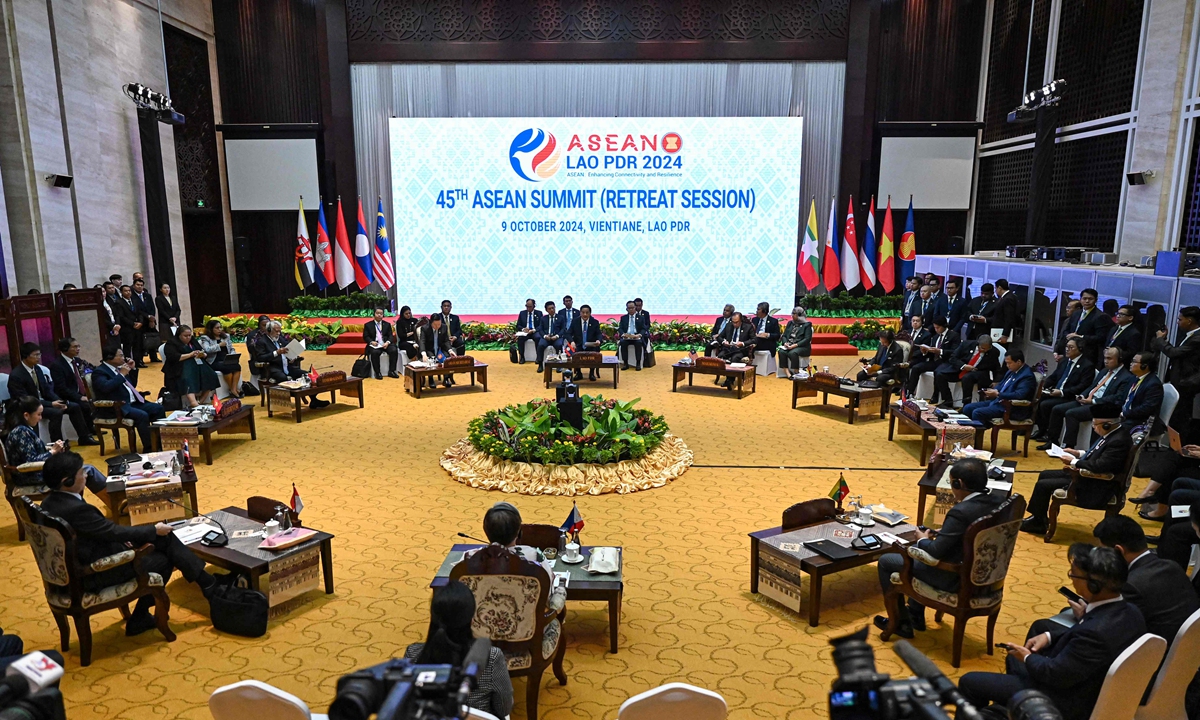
column 578, row 559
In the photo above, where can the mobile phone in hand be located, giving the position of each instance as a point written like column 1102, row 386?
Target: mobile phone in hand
column 1070, row 594
column 1002, row 646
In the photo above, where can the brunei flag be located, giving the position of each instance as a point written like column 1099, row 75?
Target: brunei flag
column 810, row 251
column 887, row 251
column 840, row 490
column 306, row 269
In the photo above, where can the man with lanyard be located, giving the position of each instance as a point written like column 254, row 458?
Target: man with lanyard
column 453, row 325
column 631, row 333
column 942, row 344
column 378, row 336
column 953, row 307
column 1146, row 396
column 911, row 299
column 1113, row 383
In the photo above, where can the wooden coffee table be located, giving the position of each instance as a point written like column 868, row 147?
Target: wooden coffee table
column 928, row 485
column 414, row 377
column 118, row 508
column 241, row 421
column 583, row 585
column 780, row 569
column 927, row 431
column 607, row 362
column 864, row 401
column 350, row 387
column 679, row 370
column 290, row 572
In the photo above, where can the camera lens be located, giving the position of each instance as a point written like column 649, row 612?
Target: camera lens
column 356, row 700
column 1032, row 705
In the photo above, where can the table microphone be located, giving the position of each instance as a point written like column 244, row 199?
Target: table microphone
column 924, row 668
column 464, row 535
column 222, row 538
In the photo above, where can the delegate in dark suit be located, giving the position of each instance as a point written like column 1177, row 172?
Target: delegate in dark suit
column 769, row 327
column 943, row 346
column 1093, row 325
column 100, row 537
column 888, row 358
column 986, row 365
column 432, row 342
column 954, row 309
column 528, row 322
column 69, row 385
column 109, row 384
column 1143, row 402
column 1106, row 456
column 1183, row 373
column 981, row 306
column 381, row 332
column 947, row 545
column 131, row 338
column 1109, row 386
column 32, row 382
column 1163, row 592
column 143, row 302
column 1072, row 377
column 733, row 334
column 280, row 367
column 1125, row 337
column 586, row 335
column 453, row 326
column 632, row 324
column 550, row 334
column 1015, row 386
column 714, row 342
column 1004, row 315
column 1071, row 670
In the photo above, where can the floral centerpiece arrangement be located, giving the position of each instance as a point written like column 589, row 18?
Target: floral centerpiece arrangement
column 534, row 433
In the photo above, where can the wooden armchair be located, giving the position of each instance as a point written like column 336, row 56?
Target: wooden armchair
column 808, row 512
column 542, row 537
column 108, row 416
column 512, row 608
column 1018, row 427
column 1070, row 494
column 53, row 543
column 988, row 547
column 17, row 487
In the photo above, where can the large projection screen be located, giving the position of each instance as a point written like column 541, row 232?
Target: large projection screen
column 935, row 171
column 271, row 173
column 686, row 213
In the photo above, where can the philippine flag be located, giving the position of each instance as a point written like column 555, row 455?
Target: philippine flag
column 362, row 252
column 574, row 522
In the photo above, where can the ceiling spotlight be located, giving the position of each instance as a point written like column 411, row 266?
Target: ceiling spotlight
column 1045, row 96
column 144, row 97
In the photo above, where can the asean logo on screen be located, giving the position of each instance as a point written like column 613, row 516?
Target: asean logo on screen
column 535, row 155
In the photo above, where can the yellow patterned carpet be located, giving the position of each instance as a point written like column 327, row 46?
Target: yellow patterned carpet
column 372, row 478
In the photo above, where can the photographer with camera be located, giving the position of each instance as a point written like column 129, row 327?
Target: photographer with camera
column 1070, row 668
column 968, row 482
column 450, row 638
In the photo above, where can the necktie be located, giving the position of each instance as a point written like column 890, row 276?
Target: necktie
column 924, row 306
column 585, row 329
column 974, row 359
column 762, row 325
column 938, row 344
column 80, row 385
column 33, row 375
column 1099, row 389
column 1063, row 380
column 134, row 395
column 529, row 319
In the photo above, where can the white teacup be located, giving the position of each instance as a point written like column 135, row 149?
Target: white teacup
column 271, row 527
column 571, row 552
column 865, row 516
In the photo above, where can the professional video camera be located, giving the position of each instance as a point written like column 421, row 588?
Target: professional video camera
column 402, row 690
column 862, row 693
column 29, row 690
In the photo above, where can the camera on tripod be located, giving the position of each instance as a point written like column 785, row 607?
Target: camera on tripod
column 401, row 690
column 29, row 690
column 860, row 692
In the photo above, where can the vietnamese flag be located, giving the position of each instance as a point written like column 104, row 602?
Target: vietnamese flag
column 887, row 251
column 830, row 269
column 810, row 251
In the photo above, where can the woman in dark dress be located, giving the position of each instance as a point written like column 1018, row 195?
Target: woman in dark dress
column 168, row 311
column 185, row 371
column 406, row 333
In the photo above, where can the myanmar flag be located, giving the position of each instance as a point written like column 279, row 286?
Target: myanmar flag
column 809, row 266
column 840, row 490
column 887, row 251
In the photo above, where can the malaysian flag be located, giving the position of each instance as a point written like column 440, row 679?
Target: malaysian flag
column 381, row 256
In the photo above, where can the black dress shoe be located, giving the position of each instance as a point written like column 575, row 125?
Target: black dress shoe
column 624, row 366
column 447, row 382
column 378, row 376
column 1044, row 446
column 89, row 440
column 139, row 622
column 903, row 629
column 1033, row 526
column 142, row 365
column 393, row 374
column 1154, row 518
column 318, row 404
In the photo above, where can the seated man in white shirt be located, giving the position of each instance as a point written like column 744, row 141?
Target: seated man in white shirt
column 502, row 526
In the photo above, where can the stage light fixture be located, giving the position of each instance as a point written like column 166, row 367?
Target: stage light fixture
column 145, row 97
column 1045, row 96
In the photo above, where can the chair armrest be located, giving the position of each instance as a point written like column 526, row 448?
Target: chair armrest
column 1021, row 403
column 106, row 403
column 122, row 558
column 925, row 558
column 1094, row 475
column 555, row 602
column 30, row 467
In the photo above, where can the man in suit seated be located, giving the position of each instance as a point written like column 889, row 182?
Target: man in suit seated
column 973, row 364
column 379, row 339
column 453, row 325
column 968, row 482
column 1111, row 385
column 585, row 334
column 550, row 334
column 1071, row 668
column 737, row 343
column 271, row 350
column 27, row 380
column 1145, row 398
column 1123, row 334
column 1018, row 384
column 929, row 354
column 1071, row 378
column 1106, row 456
column 920, row 332
column 434, row 339
column 766, row 329
column 714, row 342
column 66, row 373
column 528, row 322
column 110, row 381
column 632, row 332
column 100, row 537
column 886, row 363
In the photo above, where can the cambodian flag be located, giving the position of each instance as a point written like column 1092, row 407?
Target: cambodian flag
column 322, row 254
column 381, row 256
column 574, row 522
column 362, row 253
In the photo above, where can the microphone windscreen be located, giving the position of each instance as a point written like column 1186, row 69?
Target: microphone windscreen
column 916, row 661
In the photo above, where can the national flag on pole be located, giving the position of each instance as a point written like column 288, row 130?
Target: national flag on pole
column 322, row 254
column 216, row 403
column 810, row 251
column 574, row 522
column 343, row 266
column 297, row 503
column 850, row 251
column 381, row 255
column 313, row 375
column 908, row 245
column 306, row 269
column 866, row 254
column 887, row 251
column 831, row 271
column 840, row 490
column 362, row 252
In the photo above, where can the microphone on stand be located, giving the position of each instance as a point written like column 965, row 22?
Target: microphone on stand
column 464, row 535
column 222, row 538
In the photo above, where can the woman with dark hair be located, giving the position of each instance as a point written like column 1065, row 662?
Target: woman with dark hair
column 23, row 444
column 218, row 347
column 406, row 333
column 168, row 311
column 450, row 640
column 185, row 371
